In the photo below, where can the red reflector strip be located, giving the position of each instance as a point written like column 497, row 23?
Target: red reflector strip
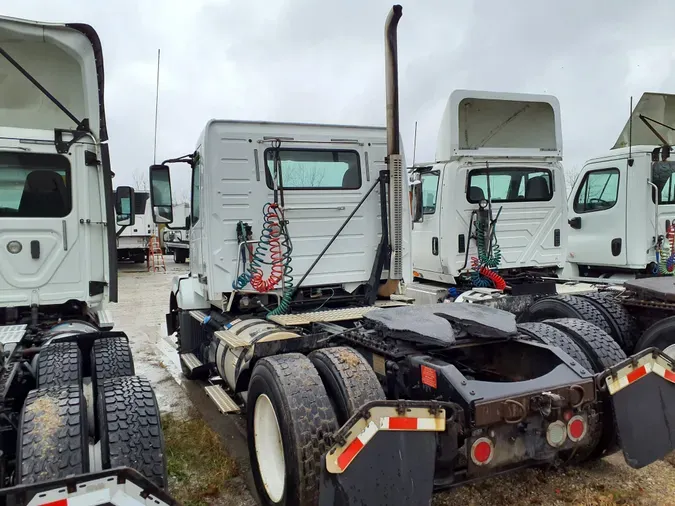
column 350, row 452
column 669, row 375
column 636, row 374
column 400, row 423
column 60, row 502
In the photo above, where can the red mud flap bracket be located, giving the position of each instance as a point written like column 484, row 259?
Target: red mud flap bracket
column 642, row 389
column 385, row 455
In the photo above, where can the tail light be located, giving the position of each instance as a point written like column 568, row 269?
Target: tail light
column 482, row 451
column 576, row 428
column 556, row 433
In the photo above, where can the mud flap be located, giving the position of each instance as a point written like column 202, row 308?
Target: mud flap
column 385, row 455
column 643, row 397
column 394, row 468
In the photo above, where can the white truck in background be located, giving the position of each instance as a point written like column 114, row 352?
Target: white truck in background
column 493, row 204
column 176, row 235
column 63, row 369
column 133, row 240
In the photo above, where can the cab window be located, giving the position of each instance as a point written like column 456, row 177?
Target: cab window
column 429, row 191
column 34, row 185
column 513, row 184
column 599, row 191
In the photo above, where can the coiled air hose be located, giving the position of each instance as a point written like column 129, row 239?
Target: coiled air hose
column 488, row 258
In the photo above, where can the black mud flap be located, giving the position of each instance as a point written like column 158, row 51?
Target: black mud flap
column 386, row 454
column 394, row 468
column 644, row 406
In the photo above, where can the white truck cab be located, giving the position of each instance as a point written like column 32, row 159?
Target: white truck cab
column 56, row 199
column 623, row 203
column 498, row 162
column 133, row 240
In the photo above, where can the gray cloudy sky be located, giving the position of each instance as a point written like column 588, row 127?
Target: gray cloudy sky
column 312, row 61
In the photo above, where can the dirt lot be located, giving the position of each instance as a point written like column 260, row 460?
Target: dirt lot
column 206, row 474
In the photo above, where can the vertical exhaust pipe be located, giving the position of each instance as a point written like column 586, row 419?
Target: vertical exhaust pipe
column 391, row 73
column 394, row 159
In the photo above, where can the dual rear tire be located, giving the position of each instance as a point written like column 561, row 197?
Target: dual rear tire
column 72, row 424
column 295, row 404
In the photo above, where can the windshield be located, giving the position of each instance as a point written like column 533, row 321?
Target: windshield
column 514, row 184
column 34, row 185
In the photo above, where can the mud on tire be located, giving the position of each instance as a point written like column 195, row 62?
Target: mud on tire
column 59, row 364
column 130, row 429
column 306, row 422
column 349, row 380
column 110, row 358
column 52, row 435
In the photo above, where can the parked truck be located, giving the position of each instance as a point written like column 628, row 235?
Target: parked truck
column 133, row 239
column 176, row 236
column 78, row 425
column 294, row 313
column 492, row 224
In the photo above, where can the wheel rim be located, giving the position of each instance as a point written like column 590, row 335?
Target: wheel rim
column 670, row 351
column 269, row 448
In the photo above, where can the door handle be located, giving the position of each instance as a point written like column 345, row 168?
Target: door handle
column 35, row 249
column 575, row 222
column 434, row 246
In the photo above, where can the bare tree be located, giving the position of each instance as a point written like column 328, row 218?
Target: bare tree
column 181, row 196
column 571, row 177
column 141, row 180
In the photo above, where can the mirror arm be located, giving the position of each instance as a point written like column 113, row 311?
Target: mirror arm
column 119, row 232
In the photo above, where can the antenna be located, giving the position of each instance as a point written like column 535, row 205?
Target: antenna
column 415, row 144
column 630, row 134
column 154, row 155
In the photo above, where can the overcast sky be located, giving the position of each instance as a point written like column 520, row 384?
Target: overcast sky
column 313, row 61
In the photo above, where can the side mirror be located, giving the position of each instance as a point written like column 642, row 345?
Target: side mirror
column 416, row 204
column 575, row 222
column 160, row 194
column 125, row 215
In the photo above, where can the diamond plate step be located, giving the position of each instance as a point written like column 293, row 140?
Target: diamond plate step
column 231, row 339
column 191, row 361
column 12, row 333
column 223, row 402
column 105, row 319
column 329, row 315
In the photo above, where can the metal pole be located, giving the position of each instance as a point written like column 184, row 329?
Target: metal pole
column 154, row 155
column 415, row 144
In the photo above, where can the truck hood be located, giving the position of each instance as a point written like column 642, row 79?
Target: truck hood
column 67, row 60
column 484, row 123
column 656, row 106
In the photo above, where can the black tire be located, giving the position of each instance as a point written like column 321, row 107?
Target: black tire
column 306, row 422
column 59, row 364
column 660, row 335
column 130, row 429
column 603, row 352
column 349, row 380
column 110, row 358
column 547, row 334
column 625, row 330
column 52, row 435
column 565, row 306
column 601, row 349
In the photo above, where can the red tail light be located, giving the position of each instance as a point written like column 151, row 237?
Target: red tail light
column 576, row 428
column 482, row 451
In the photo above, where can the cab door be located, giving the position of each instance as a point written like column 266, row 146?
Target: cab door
column 426, row 234
column 597, row 206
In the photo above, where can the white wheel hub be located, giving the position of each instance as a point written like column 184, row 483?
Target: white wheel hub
column 670, row 351
column 269, row 448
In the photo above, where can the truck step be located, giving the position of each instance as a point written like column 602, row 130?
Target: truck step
column 198, row 315
column 223, row 402
column 12, row 333
column 329, row 315
column 105, row 319
column 191, row 361
column 231, row 339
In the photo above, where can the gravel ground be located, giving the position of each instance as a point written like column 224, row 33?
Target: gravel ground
column 605, row 483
